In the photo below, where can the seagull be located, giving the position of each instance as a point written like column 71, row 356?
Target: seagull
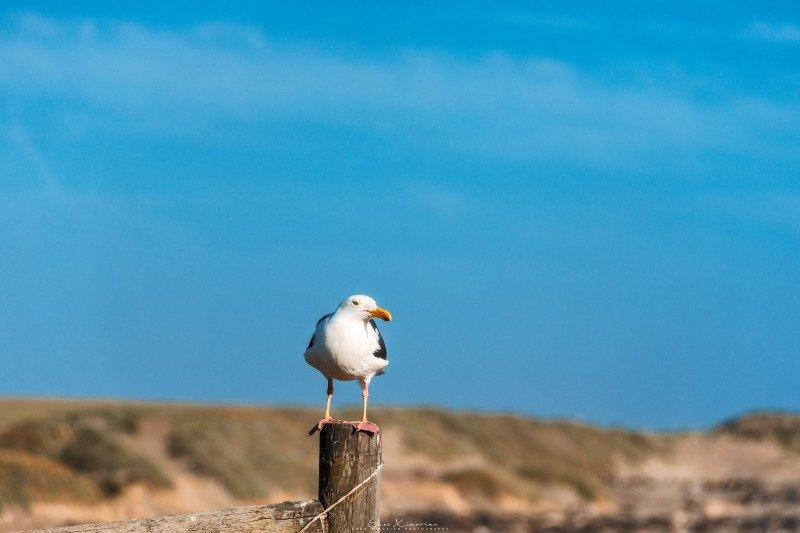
column 348, row 346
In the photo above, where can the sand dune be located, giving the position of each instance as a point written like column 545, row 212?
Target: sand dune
column 64, row 462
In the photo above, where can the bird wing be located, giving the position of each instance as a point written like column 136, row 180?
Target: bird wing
column 311, row 342
column 381, row 352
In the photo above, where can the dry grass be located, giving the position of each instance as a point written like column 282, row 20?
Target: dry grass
column 254, row 452
column 110, row 463
column 257, row 452
column 252, row 456
column 87, row 443
column 784, row 428
column 523, row 454
column 25, row 478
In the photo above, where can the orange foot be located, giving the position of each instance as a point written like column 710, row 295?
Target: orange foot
column 319, row 425
column 367, row 427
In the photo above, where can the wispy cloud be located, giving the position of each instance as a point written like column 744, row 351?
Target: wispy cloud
column 47, row 195
column 777, row 209
column 445, row 202
column 779, row 33
column 552, row 22
column 494, row 105
column 19, row 139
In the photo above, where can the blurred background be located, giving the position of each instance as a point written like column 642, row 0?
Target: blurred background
column 577, row 211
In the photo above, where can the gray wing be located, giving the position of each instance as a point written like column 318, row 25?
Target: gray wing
column 311, row 342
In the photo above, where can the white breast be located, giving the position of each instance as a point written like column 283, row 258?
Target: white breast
column 344, row 349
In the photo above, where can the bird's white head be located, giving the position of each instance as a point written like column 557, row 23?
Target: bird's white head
column 363, row 307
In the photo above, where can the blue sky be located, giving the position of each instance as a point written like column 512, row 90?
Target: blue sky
column 584, row 210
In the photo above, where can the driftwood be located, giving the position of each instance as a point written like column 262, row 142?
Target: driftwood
column 286, row 517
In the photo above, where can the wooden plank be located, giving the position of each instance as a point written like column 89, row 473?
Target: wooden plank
column 283, row 517
column 346, row 458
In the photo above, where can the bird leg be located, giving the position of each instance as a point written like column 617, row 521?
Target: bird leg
column 365, row 397
column 328, row 403
column 327, row 418
column 364, row 424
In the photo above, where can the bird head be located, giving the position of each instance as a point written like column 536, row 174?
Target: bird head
column 363, row 307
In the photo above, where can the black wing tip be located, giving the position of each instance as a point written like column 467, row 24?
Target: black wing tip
column 381, row 352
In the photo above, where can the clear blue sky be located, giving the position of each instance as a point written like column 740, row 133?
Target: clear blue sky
column 588, row 210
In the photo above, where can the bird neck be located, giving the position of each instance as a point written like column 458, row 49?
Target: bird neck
column 347, row 317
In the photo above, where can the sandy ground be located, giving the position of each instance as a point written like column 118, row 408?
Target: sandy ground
column 708, row 475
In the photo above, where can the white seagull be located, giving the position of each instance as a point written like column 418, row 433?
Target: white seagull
column 348, row 346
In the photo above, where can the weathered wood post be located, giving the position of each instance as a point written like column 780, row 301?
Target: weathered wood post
column 346, row 459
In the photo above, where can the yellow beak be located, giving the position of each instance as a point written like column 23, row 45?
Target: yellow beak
column 381, row 313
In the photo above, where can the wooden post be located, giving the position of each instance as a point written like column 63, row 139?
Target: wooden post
column 346, row 458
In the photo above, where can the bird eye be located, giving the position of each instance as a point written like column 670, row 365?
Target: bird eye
column 355, row 302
